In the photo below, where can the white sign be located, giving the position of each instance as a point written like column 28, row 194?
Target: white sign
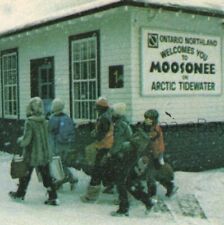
column 180, row 63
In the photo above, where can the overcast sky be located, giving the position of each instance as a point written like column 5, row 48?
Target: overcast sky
column 16, row 12
column 19, row 12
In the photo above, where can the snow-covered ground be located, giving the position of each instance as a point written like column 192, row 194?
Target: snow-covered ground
column 206, row 186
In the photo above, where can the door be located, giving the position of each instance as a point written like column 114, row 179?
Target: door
column 42, row 80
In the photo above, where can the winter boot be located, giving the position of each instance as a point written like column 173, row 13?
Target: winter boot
column 53, row 202
column 69, row 178
column 21, row 191
column 171, row 189
column 16, row 195
column 52, row 198
column 73, row 183
column 148, row 205
column 91, row 194
column 123, row 207
column 120, row 212
column 152, row 189
column 109, row 189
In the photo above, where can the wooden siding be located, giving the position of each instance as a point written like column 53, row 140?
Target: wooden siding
column 120, row 44
column 114, row 30
column 183, row 108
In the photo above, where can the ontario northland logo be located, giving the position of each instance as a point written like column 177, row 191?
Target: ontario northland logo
column 153, row 41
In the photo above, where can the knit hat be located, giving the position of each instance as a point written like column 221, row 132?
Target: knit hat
column 119, row 109
column 101, row 101
column 152, row 114
column 57, row 106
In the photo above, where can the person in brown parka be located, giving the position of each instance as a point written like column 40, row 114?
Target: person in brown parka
column 36, row 152
column 104, row 138
column 163, row 172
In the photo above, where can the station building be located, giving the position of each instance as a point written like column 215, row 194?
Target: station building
column 146, row 54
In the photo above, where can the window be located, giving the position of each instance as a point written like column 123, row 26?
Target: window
column 84, row 75
column 45, row 82
column 116, row 76
column 9, row 73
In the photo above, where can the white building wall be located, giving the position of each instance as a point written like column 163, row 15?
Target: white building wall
column 120, row 44
column 115, row 50
column 54, row 41
column 183, row 108
column 44, row 44
column 0, row 94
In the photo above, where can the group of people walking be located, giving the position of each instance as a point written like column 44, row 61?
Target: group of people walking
column 42, row 139
column 123, row 158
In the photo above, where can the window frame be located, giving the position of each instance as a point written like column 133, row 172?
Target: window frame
column 3, row 54
column 48, row 84
column 84, row 38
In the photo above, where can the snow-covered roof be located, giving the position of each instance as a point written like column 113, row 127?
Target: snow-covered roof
column 206, row 7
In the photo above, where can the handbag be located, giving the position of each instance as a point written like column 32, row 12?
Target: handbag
column 18, row 167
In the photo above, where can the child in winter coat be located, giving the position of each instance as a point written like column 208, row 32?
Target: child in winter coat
column 156, row 149
column 36, row 152
column 62, row 138
column 122, row 134
column 128, row 170
column 155, row 133
column 104, row 137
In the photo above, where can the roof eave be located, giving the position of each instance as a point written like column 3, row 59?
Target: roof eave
column 194, row 10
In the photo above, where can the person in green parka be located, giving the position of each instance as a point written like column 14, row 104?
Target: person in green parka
column 127, row 165
column 114, row 159
column 36, row 152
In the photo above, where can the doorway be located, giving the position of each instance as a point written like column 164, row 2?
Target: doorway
column 42, row 80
